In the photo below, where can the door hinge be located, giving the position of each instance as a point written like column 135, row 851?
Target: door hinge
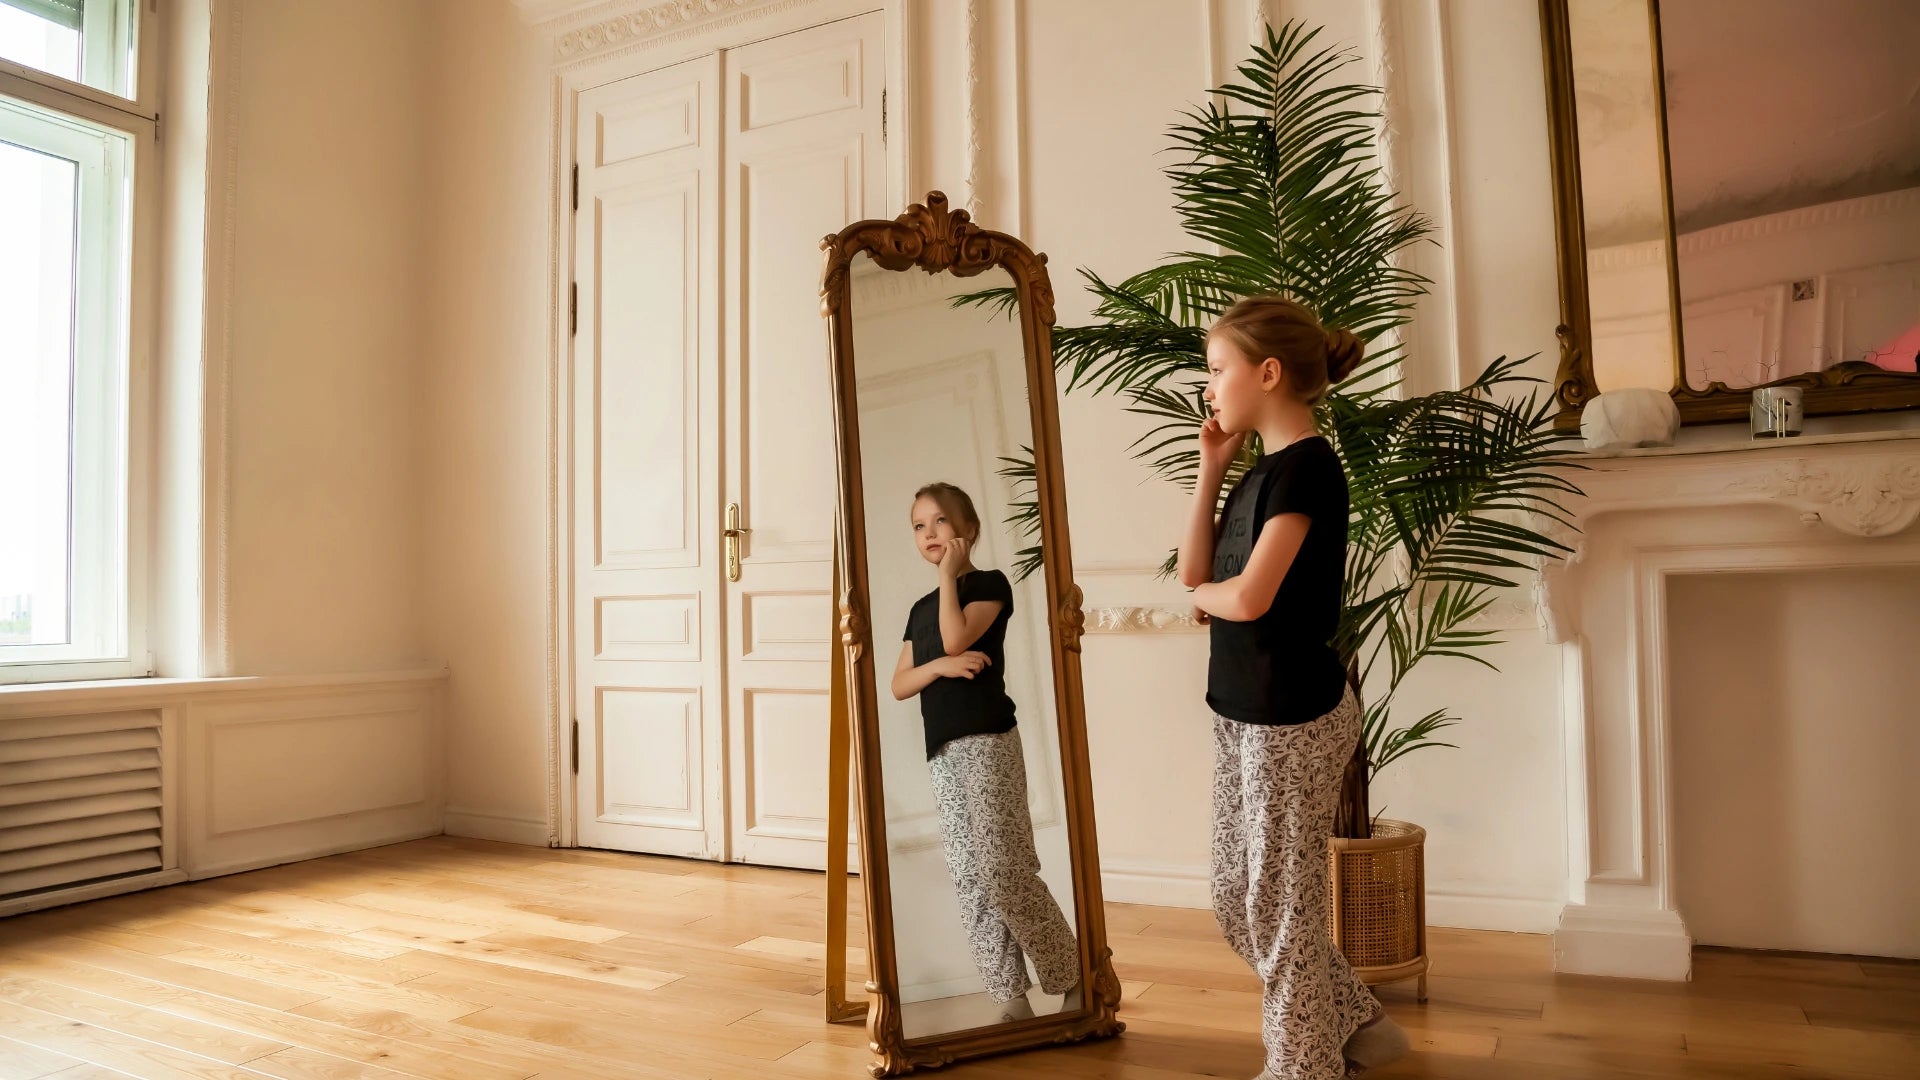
column 883, row 116
column 576, row 747
column 573, row 308
column 576, row 186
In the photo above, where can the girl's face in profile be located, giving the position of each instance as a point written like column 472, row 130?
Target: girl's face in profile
column 932, row 531
column 1236, row 386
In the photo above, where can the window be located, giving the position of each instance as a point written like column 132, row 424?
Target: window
column 90, row 42
column 72, row 142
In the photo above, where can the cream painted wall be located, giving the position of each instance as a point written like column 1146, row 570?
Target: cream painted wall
column 326, row 337
column 484, row 428
column 1793, row 743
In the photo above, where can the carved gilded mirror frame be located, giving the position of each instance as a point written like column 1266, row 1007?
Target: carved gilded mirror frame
column 933, row 238
column 1847, row 387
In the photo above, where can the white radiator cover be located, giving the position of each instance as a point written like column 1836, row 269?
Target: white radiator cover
column 81, row 800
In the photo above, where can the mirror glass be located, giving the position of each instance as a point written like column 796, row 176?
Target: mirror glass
column 982, row 893
column 1793, row 134
column 1792, row 138
column 1622, row 193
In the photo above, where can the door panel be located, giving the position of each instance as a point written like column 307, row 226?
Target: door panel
column 647, row 592
column 804, row 159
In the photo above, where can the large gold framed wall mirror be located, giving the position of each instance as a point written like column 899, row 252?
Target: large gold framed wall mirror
column 1737, row 201
column 960, row 636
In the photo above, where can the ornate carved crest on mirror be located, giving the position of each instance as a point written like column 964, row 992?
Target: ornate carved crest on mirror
column 979, row 863
column 1737, row 201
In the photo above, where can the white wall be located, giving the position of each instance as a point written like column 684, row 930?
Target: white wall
column 1793, row 741
column 325, row 340
column 484, row 428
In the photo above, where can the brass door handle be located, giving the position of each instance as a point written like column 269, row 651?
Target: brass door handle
column 733, row 532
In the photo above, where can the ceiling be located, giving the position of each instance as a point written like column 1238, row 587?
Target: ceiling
column 1771, row 105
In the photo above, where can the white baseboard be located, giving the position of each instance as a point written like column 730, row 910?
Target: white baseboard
column 95, row 891
column 1512, row 914
column 507, row 829
column 303, row 853
column 1172, row 885
column 1627, row 943
column 1158, row 884
column 934, row 991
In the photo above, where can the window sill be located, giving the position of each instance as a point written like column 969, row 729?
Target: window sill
column 159, row 691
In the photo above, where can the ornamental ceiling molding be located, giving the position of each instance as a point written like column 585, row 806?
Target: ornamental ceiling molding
column 599, row 31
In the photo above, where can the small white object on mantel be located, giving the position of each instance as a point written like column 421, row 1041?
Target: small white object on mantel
column 1630, row 418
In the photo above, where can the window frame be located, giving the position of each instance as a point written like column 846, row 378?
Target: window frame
column 114, row 434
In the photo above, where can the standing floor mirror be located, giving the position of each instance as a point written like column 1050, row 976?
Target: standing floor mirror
column 960, row 629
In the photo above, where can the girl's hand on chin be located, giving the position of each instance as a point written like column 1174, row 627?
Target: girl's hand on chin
column 953, row 558
column 1217, row 447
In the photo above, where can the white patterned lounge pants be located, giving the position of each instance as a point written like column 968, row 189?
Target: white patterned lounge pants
column 1275, row 790
column 981, row 784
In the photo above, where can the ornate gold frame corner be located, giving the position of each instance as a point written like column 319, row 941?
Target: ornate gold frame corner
column 933, row 237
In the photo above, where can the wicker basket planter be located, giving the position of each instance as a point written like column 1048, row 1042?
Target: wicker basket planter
column 1378, row 909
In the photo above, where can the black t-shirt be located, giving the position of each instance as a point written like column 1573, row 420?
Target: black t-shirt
column 1282, row 668
column 953, row 707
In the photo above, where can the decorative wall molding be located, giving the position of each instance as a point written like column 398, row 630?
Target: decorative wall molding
column 1141, row 620
column 1645, row 253
column 1632, row 256
column 876, row 291
column 1865, row 208
column 975, row 108
column 608, row 30
column 1517, row 608
column 1875, row 496
column 1383, row 42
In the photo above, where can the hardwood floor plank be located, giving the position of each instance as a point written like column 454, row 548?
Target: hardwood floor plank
column 105, row 1047
column 20, row 1061
column 289, row 1027
column 455, row 959
column 207, row 1040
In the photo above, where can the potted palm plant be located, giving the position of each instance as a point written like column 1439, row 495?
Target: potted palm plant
column 1453, row 492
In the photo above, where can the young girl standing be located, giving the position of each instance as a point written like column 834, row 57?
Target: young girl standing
column 1267, row 580
column 955, row 660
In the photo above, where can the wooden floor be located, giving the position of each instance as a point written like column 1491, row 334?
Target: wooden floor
column 453, row 959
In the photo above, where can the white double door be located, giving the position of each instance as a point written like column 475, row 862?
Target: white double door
column 700, row 385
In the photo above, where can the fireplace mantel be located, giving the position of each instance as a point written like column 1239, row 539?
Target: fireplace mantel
column 1647, row 516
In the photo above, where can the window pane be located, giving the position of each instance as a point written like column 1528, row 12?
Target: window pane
column 38, row 230
column 88, row 41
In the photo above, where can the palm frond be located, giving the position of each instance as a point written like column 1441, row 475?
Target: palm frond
column 1023, row 509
